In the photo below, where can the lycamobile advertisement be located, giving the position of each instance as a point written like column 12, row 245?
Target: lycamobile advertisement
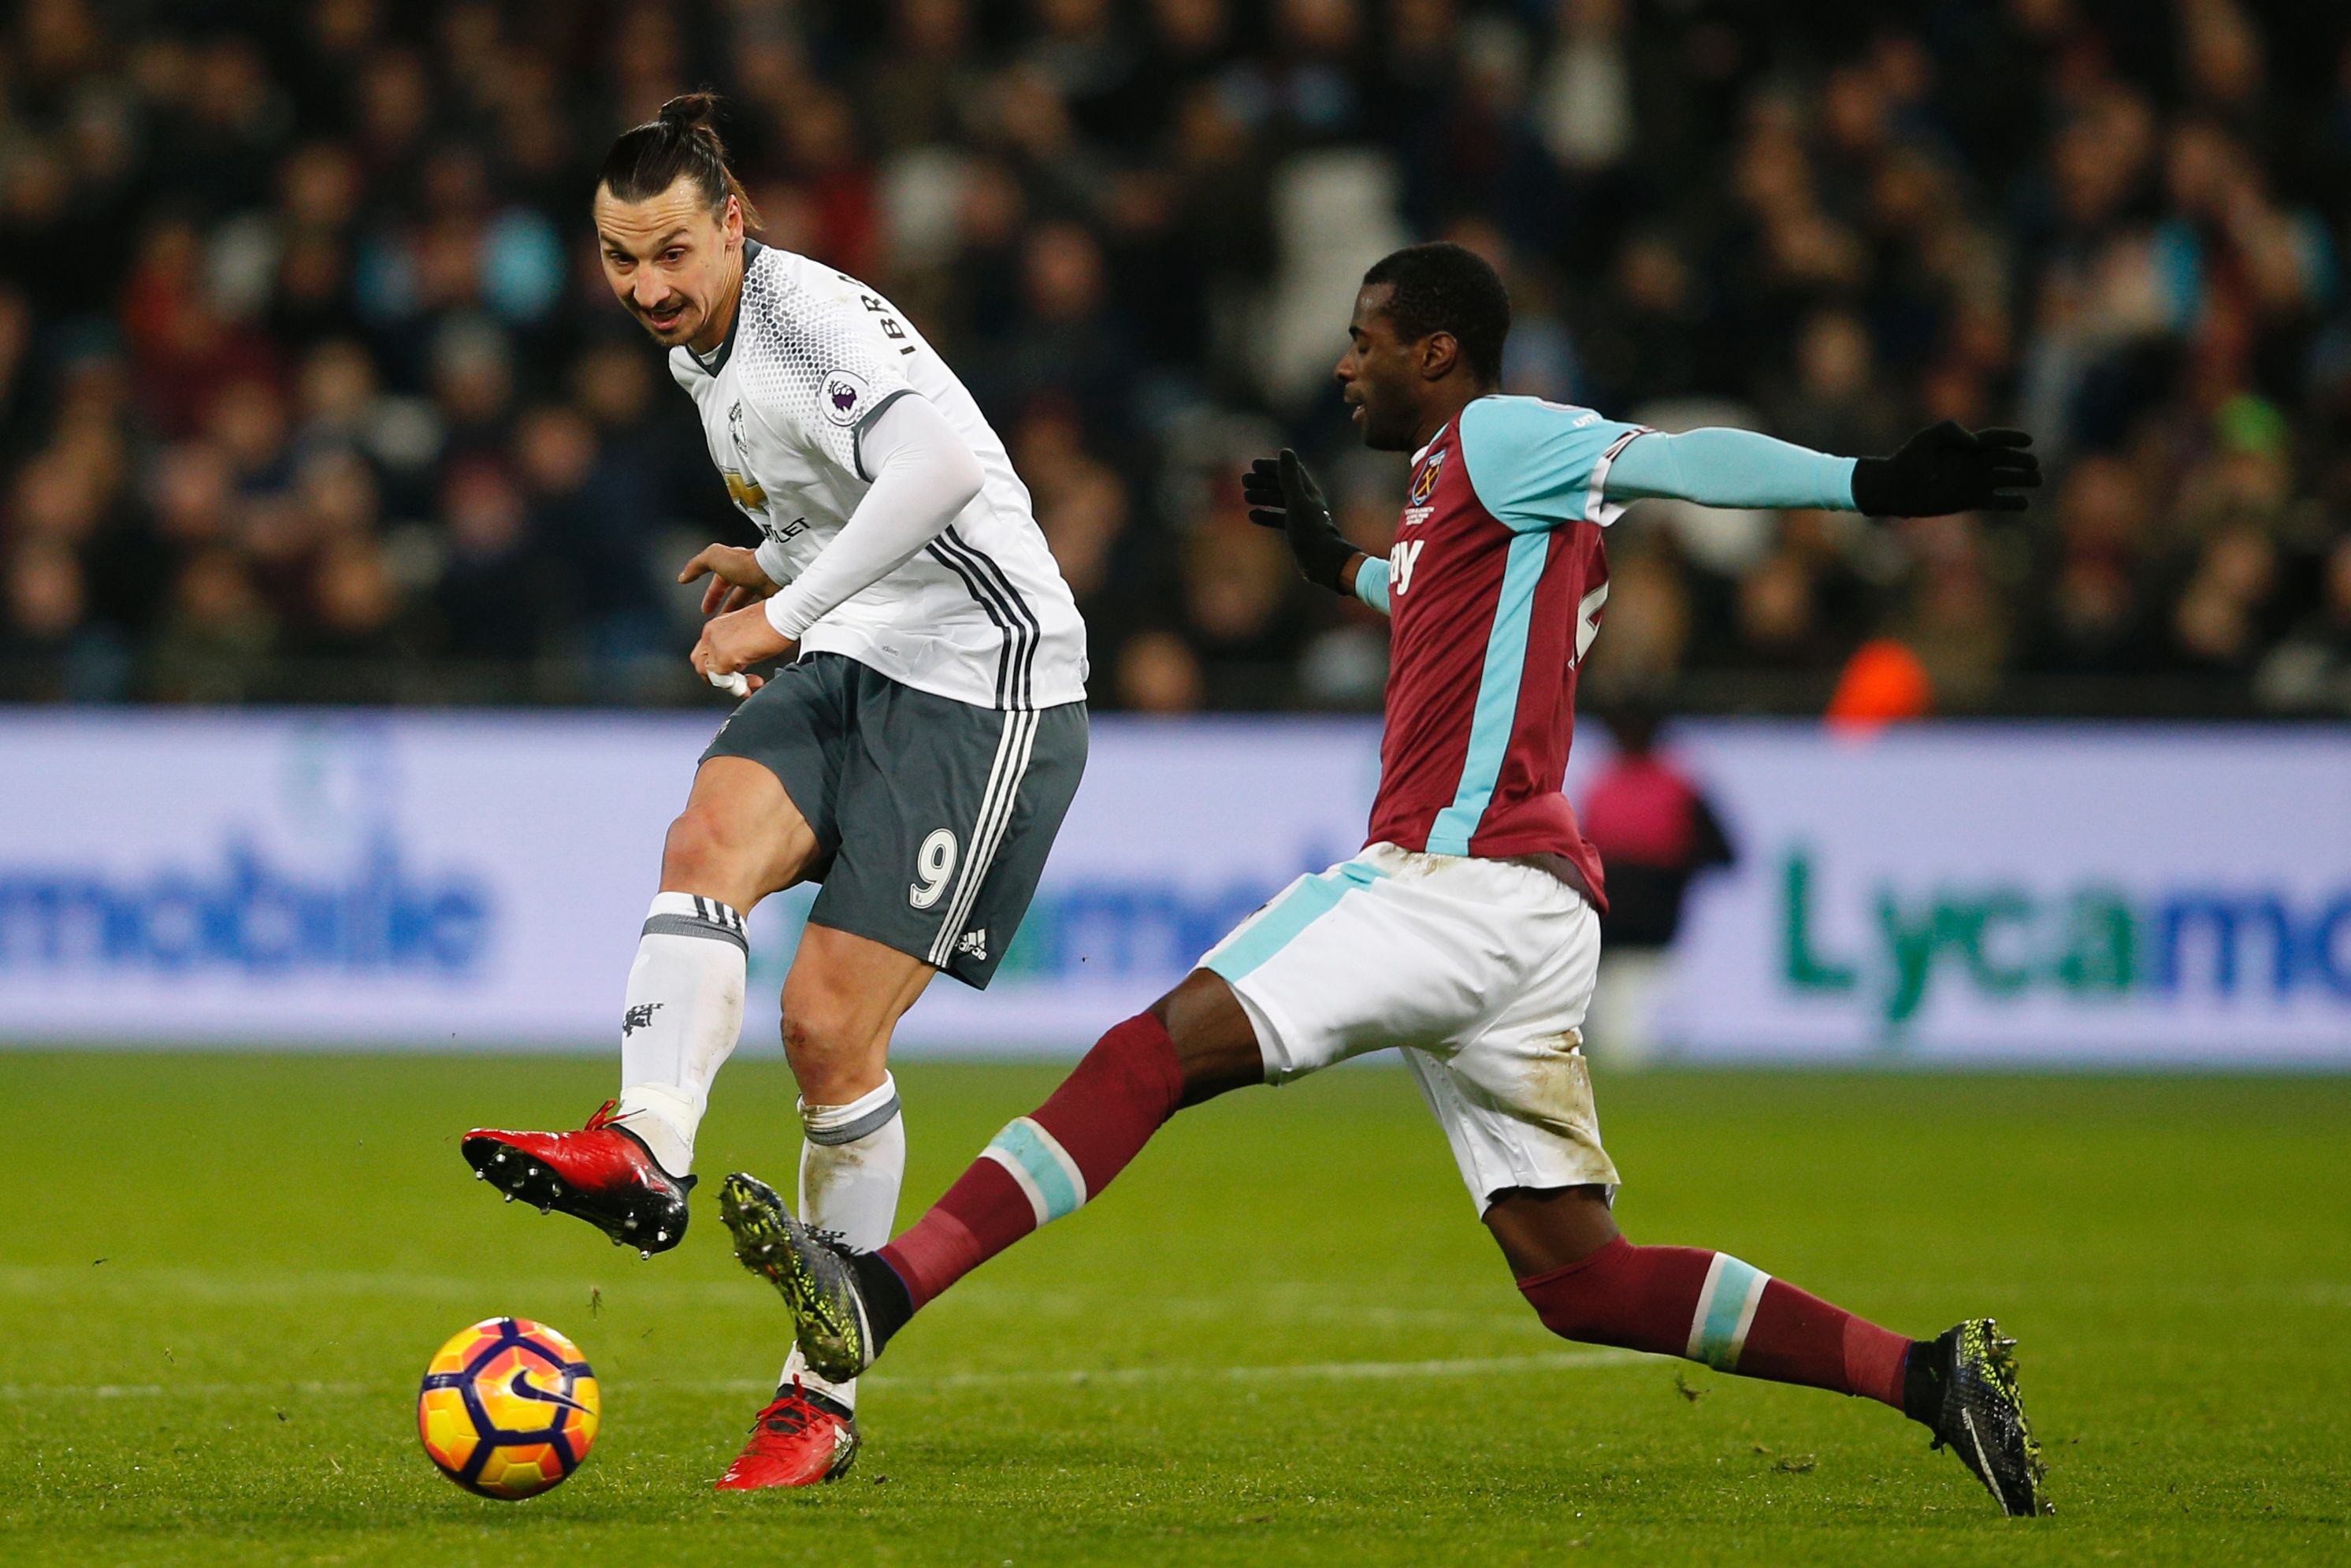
column 2030, row 893
column 299, row 879
column 476, row 882
column 2093, row 945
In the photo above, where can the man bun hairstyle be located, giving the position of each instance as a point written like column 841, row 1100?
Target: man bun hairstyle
column 1446, row 288
column 678, row 142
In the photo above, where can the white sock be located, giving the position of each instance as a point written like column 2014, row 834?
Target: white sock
column 851, row 1168
column 684, row 1014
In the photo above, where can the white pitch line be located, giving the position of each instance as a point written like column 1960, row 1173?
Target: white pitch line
column 181, row 1390
column 627, row 1288
column 1081, row 1377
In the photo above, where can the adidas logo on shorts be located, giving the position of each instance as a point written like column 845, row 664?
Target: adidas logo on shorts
column 973, row 942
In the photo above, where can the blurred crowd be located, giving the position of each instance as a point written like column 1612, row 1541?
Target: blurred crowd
column 311, row 388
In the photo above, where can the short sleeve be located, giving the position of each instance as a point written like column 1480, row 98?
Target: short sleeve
column 815, row 370
column 1537, row 465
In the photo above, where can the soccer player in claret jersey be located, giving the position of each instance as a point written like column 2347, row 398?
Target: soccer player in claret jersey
column 916, row 755
column 1464, row 933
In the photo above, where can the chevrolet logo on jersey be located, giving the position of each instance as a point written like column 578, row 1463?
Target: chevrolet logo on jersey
column 743, row 491
column 741, row 488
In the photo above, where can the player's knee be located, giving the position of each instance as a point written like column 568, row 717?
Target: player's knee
column 698, row 854
column 831, row 1046
column 1214, row 1039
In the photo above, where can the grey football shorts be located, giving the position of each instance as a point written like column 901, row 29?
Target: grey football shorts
column 933, row 816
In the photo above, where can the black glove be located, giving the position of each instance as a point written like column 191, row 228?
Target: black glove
column 1944, row 468
column 1282, row 494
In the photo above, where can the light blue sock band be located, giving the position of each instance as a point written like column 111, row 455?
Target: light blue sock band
column 1725, row 1308
column 1041, row 1167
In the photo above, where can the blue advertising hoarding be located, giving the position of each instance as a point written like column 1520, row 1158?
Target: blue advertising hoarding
column 1942, row 894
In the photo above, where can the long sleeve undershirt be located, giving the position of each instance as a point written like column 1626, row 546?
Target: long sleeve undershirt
column 1714, row 466
column 1719, row 466
column 923, row 475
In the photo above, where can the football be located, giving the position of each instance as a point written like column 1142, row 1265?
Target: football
column 509, row 1408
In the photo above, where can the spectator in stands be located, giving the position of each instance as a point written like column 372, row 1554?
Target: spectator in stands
column 2310, row 671
column 340, row 227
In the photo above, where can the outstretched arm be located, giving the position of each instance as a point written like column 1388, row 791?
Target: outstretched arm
column 1719, row 466
column 1941, row 469
column 1549, row 471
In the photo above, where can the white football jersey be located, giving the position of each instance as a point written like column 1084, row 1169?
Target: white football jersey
column 980, row 614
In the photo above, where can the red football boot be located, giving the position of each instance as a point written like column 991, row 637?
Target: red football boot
column 800, row 1439
column 602, row 1172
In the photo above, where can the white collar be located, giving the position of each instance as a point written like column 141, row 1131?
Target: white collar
column 1432, row 443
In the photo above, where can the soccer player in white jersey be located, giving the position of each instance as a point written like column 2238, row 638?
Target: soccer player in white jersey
column 916, row 753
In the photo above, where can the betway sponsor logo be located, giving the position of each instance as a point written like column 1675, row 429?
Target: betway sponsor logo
column 2092, row 941
column 373, row 915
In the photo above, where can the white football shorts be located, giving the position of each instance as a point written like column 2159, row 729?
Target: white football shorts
column 1479, row 970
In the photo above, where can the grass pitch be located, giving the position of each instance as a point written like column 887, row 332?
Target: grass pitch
column 1282, row 1338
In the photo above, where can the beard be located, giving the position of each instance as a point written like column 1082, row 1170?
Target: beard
column 676, row 328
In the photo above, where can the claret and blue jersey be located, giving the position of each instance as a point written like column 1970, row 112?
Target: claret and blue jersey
column 1495, row 586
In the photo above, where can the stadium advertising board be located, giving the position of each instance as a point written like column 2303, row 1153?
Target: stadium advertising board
column 2024, row 895
column 1946, row 895
column 327, row 878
